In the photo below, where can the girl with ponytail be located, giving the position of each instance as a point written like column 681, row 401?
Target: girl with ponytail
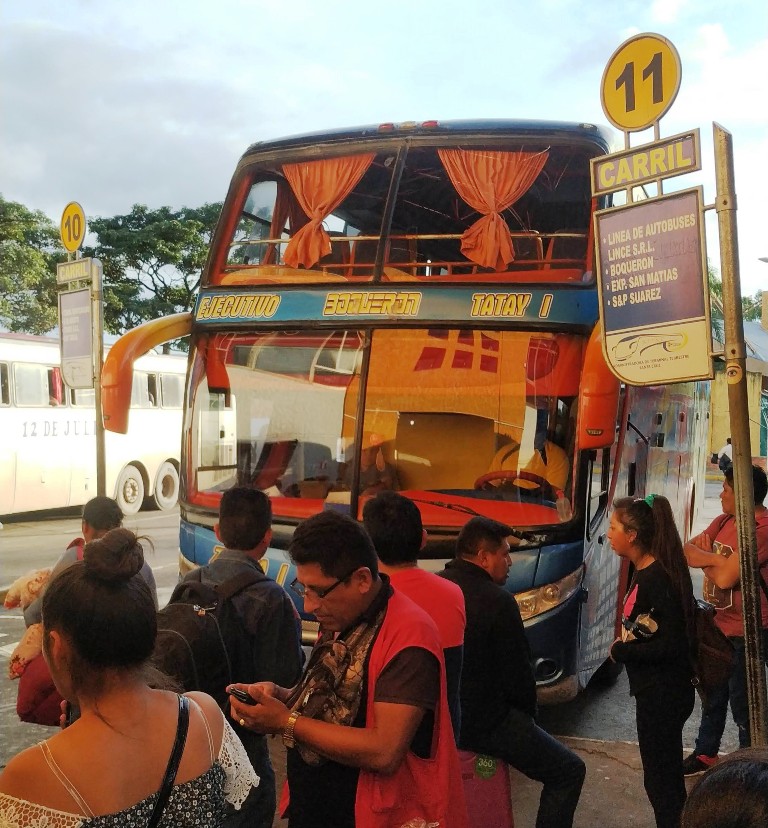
column 656, row 644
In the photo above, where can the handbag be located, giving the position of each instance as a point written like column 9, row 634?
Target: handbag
column 714, row 657
column 173, row 763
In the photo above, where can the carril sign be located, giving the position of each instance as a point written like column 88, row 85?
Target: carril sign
column 662, row 159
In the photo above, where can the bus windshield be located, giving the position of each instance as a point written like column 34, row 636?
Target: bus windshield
column 462, row 421
column 481, row 210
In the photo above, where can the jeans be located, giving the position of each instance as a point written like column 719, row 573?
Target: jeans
column 258, row 810
column 521, row 743
column 661, row 712
column 715, row 710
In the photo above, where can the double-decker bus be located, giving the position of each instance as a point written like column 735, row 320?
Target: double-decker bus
column 414, row 307
column 48, row 432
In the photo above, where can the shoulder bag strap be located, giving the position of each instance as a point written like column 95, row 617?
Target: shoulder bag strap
column 173, row 763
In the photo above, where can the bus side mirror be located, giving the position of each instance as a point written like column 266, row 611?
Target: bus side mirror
column 117, row 372
column 598, row 399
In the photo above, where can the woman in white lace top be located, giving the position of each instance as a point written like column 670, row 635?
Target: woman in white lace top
column 107, row 767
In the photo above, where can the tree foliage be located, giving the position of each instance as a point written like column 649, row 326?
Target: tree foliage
column 152, row 261
column 29, row 252
column 752, row 306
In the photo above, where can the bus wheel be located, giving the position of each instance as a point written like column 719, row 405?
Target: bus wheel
column 166, row 486
column 130, row 490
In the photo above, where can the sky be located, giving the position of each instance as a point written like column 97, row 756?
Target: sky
column 111, row 103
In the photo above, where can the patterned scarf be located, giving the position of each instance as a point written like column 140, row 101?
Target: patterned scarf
column 331, row 688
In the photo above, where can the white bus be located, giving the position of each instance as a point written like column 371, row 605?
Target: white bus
column 47, row 433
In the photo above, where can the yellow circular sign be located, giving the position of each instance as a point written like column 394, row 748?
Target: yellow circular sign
column 640, row 82
column 72, row 227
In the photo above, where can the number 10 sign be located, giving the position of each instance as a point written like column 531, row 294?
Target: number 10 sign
column 640, row 82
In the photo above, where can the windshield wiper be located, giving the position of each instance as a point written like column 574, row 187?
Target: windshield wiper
column 458, row 507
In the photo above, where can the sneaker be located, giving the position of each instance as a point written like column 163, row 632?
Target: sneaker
column 697, row 763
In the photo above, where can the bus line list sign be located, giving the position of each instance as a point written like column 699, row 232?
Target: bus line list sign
column 651, row 261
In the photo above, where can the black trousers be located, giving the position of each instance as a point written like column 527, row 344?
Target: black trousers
column 661, row 713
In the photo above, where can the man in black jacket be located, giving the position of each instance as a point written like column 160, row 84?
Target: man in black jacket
column 498, row 690
column 271, row 623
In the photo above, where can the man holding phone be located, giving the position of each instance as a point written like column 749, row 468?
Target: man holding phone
column 367, row 727
column 271, row 624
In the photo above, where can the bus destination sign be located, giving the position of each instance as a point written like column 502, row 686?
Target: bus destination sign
column 651, row 260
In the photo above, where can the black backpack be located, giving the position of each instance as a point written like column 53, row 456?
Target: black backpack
column 201, row 641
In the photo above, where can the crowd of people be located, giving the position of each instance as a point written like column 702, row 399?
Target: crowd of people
column 409, row 668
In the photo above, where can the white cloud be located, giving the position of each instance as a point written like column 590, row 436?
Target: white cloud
column 667, row 11
column 113, row 103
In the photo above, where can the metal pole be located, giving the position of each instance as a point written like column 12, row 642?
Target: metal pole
column 736, row 377
column 98, row 361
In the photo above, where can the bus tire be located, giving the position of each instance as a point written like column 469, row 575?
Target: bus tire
column 166, row 492
column 129, row 491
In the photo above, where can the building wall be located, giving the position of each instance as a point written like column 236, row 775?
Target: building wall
column 719, row 412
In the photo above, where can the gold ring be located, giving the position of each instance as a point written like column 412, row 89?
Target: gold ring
column 242, row 722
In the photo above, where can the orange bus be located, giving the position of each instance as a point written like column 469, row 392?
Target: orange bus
column 413, row 306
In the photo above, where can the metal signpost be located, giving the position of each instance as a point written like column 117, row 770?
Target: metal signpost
column 81, row 324
column 736, row 377
column 653, row 292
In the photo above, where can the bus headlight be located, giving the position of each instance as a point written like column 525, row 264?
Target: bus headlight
column 536, row 601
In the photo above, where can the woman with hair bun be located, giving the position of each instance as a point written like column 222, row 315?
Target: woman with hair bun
column 105, row 769
column 656, row 644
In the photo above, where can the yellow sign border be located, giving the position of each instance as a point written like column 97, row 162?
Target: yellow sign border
column 72, row 210
column 610, row 70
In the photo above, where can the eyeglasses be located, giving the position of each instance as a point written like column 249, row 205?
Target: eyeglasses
column 319, row 592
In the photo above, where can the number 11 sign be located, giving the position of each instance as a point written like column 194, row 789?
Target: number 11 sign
column 640, row 82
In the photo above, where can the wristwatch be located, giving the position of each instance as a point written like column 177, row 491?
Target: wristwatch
column 288, row 737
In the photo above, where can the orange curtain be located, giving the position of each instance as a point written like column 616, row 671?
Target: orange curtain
column 319, row 187
column 490, row 182
column 286, row 209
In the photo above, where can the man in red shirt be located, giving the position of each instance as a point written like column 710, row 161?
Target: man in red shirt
column 394, row 524
column 715, row 551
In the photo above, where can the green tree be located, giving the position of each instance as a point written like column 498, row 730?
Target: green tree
column 752, row 306
column 715, row 302
column 152, row 261
column 29, row 252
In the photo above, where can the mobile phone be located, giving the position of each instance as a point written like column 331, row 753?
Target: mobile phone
column 72, row 714
column 241, row 695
